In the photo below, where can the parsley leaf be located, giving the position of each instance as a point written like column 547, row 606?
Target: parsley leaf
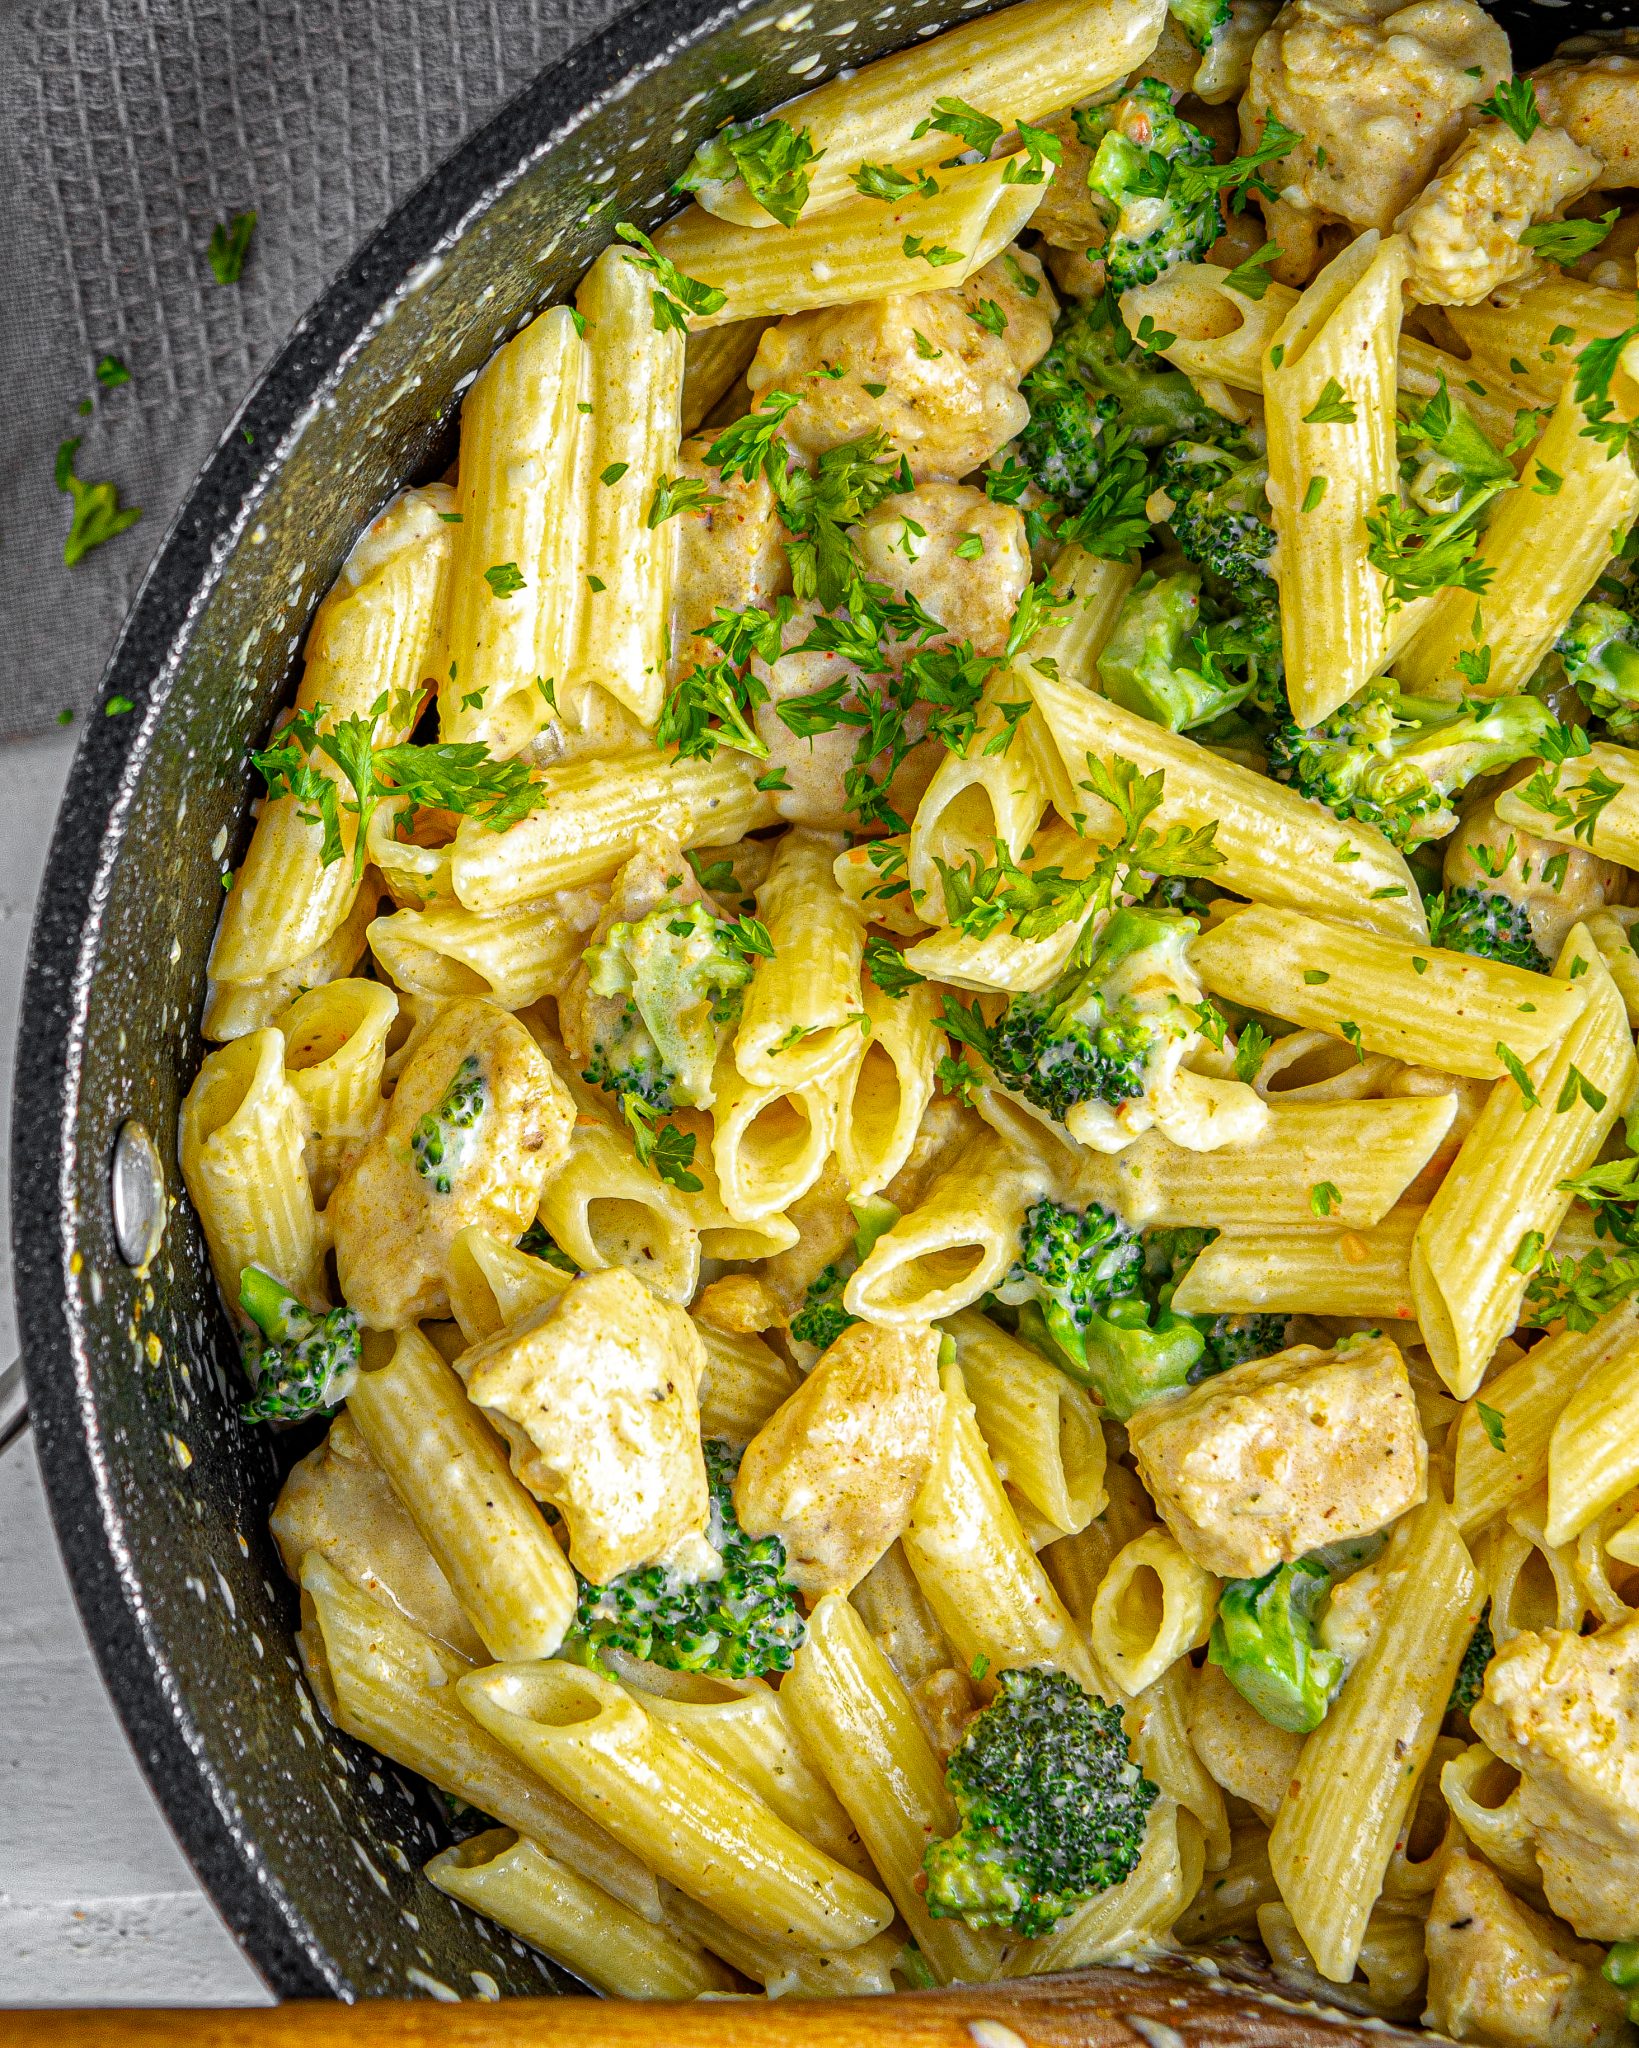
column 711, row 704
column 881, row 181
column 886, row 966
column 229, row 246
column 1331, row 408
column 1516, row 1068
column 98, row 514
column 1515, row 102
column 772, row 157
column 675, row 296
column 669, row 1151
column 1495, row 1426
column 930, row 252
column 1251, row 278
column 674, row 494
column 988, row 315
column 1324, row 1197
column 972, row 129
column 111, row 373
column 1567, row 241
column 505, row 579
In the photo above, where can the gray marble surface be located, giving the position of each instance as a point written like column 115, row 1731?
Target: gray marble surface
column 97, row 1906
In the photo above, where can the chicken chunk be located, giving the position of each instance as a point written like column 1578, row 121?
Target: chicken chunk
column 816, row 765
column 1245, row 1754
column 1564, row 1711
column 834, row 1470
column 1278, row 1456
column 477, row 1122
column 963, row 558
column 597, row 1395
column 949, row 393
column 1464, row 229
column 1556, row 886
column 1379, row 93
column 731, row 553
column 339, row 1502
column 1596, row 101
column 1500, row 1973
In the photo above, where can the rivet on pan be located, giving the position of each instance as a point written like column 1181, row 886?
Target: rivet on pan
column 136, row 1194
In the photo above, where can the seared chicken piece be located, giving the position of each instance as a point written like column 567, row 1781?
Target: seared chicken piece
column 731, row 553
column 1464, row 229
column 1596, row 101
column 964, row 559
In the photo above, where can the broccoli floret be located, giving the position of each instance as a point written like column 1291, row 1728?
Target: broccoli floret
column 1470, row 1680
column 300, row 1363
column 1067, row 439
column 1600, row 650
column 1089, row 1037
column 822, row 1318
column 1264, row 1642
column 1081, row 1272
column 1394, row 761
column 1199, row 19
column 1053, row 1809
column 1174, row 658
column 1220, row 512
column 1622, row 1970
column 738, row 1625
column 540, row 1244
column 1155, row 403
column 683, row 973
column 443, row 1137
column 1447, row 459
column 1138, row 143
column 1232, row 1340
column 1483, row 922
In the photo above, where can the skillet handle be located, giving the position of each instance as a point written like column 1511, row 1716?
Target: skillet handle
column 1095, row 2008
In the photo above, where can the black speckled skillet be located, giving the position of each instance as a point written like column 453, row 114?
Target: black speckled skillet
column 308, row 1843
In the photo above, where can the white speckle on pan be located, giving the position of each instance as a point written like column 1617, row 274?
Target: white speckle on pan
column 184, row 1458
column 788, row 24
column 176, row 951
column 96, row 1288
column 432, row 1986
column 745, row 77
column 994, row 2034
column 695, row 98
column 488, row 1989
column 843, row 28
column 381, row 1882
column 1156, row 2032
column 423, row 275
column 461, row 383
column 219, row 845
column 196, row 1586
column 806, row 65
column 226, row 1591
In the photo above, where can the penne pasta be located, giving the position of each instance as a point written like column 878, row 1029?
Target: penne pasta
column 854, row 250
column 575, row 1922
column 384, row 1681
column 1355, row 1781
column 883, row 1097
column 629, row 442
column 516, row 578
column 855, row 1719
column 1314, row 1272
column 1041, row 1430
column 591, row 811
column 1431, row 1008
column 714, row 361
column 1154, row 1605
column 687, row 1818
column 450, row 1470
column 1592, row 800
column 1044, row 56
column 804, row 1011
column 982, row 1580
column 604, row 1208
column 1276, row 846
column 1473, row 1252
column 1342, row 1163
column 514, row 958
column 1329, row 405
column 1546, row 544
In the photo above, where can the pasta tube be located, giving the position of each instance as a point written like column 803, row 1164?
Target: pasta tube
column 634, row 384
column 804, row 1011
column 689, row 1820
column 241, row 1143
column 974, row 800
column 1306, row 1272
column 1042, row 56
column 745, row 1380
column 1546, row 544
column 514, row 958
column 1154, row 1606
column 883, row 1096
column 1471, row 1256
column 384, row 1681
column 984, row 1583
column 517, row 1884
column 1434, row 1009
column 493, row 1283
column 1329, row 404
column 372, row 641
column 592, row 809
column 1041, row 1430
column 1358, row 1773
column 516, row 581
column 856, row 1721
column 956, row 1244
column 853, row 251
column 1593, row 1454
column 714, row 361
column 1345, row 1163
column 1494, row 1469
column 606, row 1209
column 1592, row 801
column 1277, row 847
column 451, row 1471
column 779, row 1966
column 770, row 1142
